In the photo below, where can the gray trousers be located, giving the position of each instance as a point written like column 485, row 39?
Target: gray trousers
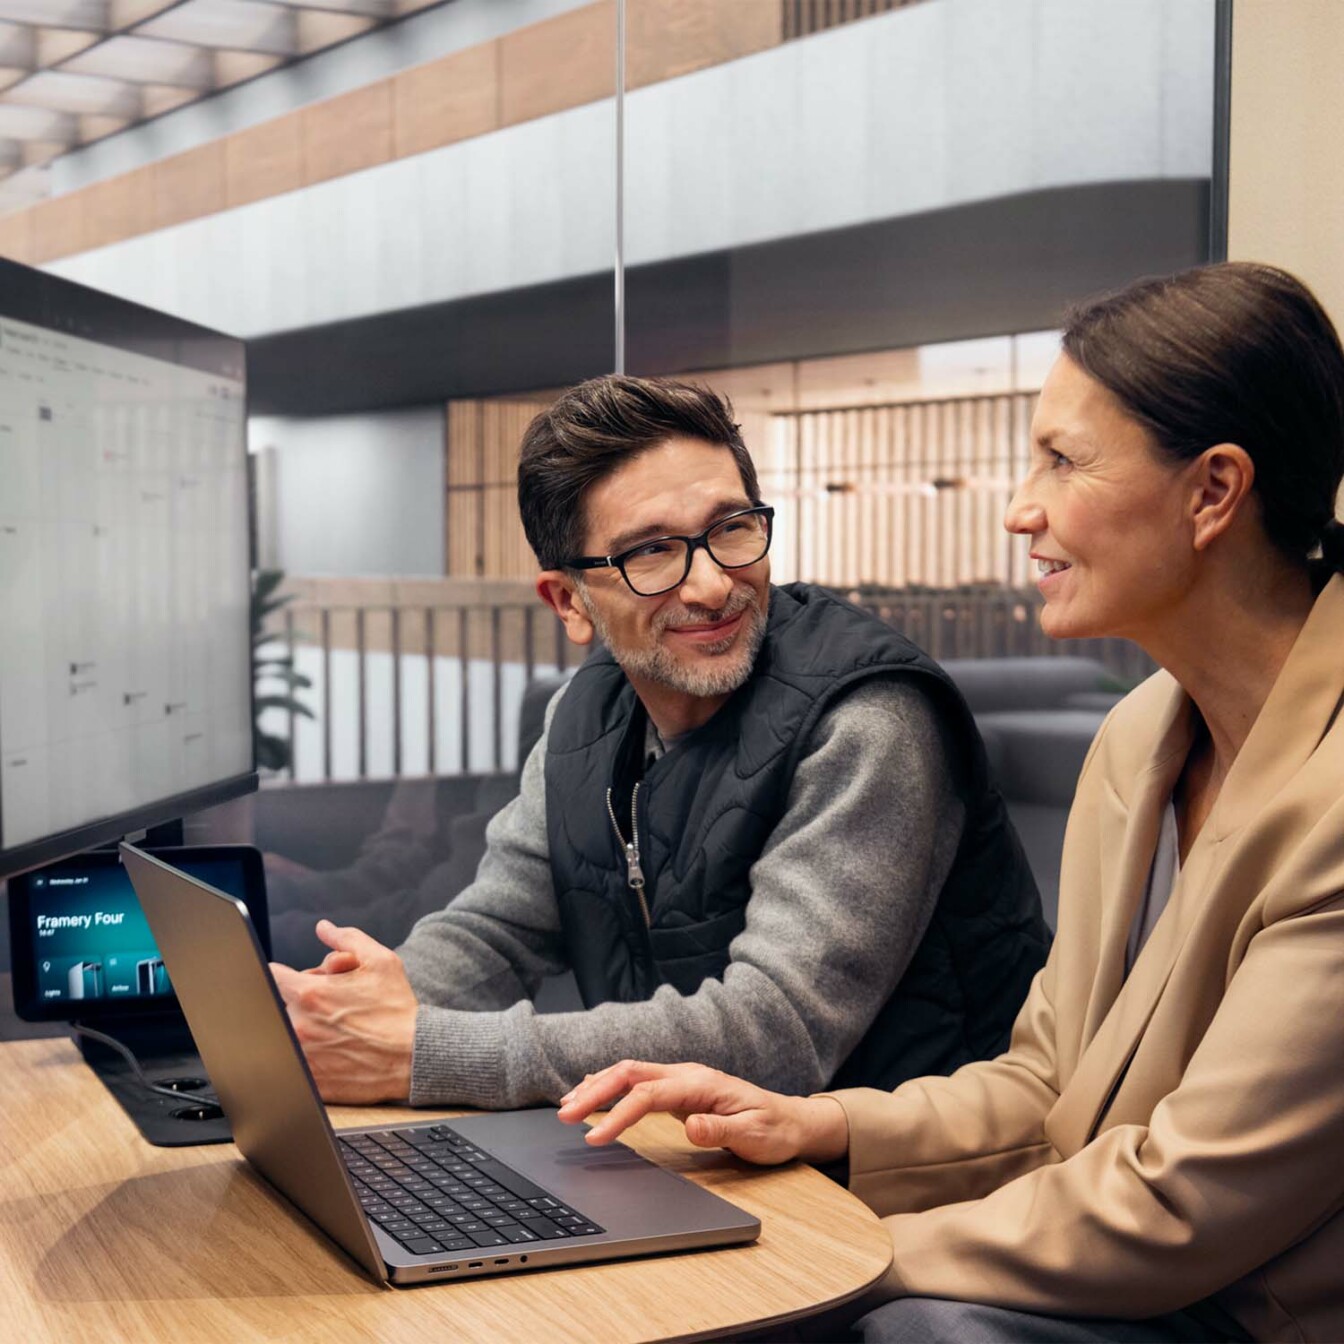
column 928, row 1320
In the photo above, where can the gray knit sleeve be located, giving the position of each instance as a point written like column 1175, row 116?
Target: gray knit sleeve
column 840, row 898
column 494, row 943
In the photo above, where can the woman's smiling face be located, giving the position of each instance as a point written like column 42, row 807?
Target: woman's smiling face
column 1109, row 520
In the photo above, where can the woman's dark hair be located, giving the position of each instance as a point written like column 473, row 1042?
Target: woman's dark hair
column 599, row 426
column 1233, row 353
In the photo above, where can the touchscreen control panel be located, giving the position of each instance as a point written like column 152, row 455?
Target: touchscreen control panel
column 81, row 942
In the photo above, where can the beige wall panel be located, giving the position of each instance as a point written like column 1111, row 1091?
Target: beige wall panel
column 562, row 62
column 345, row 134
column 57, row 227
column 16, row 236
column 189, row 185
column 265, row 160
column 446, row 100
column 1286, row 184
column 667, row 38
column 120, row 207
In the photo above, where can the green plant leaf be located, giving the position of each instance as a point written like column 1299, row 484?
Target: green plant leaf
column 285, row 702
column 272, row 752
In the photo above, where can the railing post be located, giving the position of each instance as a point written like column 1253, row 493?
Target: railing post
column 363, row 693
column 293, row 717
column 396, row 691
column 326, row 693
column 464, row 663
column 496, row 690
column 430, row 645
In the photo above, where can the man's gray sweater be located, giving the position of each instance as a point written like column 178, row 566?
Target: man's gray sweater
column 840, row 897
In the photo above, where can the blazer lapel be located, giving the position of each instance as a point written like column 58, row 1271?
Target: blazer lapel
column 1118, row 1008
column 1300, row 708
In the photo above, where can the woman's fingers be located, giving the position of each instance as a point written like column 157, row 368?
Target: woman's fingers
column 719, row 1111
column 599, row 1090
column 660, row 1095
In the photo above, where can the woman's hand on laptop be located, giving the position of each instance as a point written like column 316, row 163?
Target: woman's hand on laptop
column 718, row 1110
column 354, row 1016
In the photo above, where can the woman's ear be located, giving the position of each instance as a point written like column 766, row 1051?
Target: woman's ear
column 559, row 591
column 1224, row 476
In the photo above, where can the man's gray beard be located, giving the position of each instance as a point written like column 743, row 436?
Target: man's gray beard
column 718, row 676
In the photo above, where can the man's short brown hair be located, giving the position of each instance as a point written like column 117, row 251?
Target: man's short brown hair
column 599, row 426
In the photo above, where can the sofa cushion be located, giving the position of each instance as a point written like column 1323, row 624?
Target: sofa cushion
column 994, row 684
column 1039, row 753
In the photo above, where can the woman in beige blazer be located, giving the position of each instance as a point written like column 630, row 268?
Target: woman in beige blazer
column 1160, row 1153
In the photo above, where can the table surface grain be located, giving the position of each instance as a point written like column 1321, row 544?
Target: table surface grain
column 105, row 1238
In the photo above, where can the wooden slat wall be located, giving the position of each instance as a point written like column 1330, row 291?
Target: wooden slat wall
column 559, row 63
column 908, row 494
column 483, row 533
column 899, row 495
column 800, row 18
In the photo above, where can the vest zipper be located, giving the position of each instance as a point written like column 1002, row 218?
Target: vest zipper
column 635, row 874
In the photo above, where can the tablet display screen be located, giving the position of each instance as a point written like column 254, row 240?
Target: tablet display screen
column 81, row 945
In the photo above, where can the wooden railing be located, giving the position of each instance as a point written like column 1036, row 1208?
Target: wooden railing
column 416, row 677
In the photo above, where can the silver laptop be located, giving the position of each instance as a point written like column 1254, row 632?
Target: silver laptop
column 488, row 1194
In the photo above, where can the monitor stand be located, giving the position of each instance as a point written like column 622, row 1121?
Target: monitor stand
column 167, row 1055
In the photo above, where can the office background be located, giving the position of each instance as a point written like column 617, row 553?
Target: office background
column 862, row 219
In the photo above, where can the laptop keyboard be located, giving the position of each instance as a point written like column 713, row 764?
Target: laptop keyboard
column 435, row 1192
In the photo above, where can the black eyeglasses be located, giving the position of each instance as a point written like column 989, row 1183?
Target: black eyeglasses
column 662, row 563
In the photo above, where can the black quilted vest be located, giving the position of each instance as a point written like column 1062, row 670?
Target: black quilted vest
column 707, row 807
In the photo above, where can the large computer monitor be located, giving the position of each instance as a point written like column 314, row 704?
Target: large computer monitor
column 125, row 666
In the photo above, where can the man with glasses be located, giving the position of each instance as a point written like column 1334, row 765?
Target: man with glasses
column 758, row 826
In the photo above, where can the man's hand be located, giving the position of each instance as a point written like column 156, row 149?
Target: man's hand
column 718, row 1110
column 354, row 1015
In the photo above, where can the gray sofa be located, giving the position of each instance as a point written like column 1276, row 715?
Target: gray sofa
column 1038, row 717
column 389, row 851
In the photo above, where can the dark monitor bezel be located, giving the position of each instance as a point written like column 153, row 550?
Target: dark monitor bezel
column 31, row 1008
column 38, row 299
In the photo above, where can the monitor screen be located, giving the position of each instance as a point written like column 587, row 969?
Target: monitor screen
column 81, row 946
column 125, row 674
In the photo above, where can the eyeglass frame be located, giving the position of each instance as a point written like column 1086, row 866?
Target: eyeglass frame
column 693, row 544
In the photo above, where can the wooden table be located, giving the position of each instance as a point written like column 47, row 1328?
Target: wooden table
column 104, row 1238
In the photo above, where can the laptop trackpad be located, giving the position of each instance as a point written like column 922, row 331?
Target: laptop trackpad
column 614, row 1186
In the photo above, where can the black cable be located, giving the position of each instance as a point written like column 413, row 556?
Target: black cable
column 103, row 1039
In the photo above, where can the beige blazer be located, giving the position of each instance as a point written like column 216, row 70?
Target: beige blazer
column 1149, row 1142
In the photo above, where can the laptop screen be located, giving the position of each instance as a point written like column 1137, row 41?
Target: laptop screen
column 80, row 943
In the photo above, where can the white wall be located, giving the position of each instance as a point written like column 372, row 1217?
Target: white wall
column 356, row 494
column 927, row 107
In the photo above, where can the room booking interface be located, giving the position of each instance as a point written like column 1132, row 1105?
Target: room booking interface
column 89, row 937
column 124, row 675
column 91, row 940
